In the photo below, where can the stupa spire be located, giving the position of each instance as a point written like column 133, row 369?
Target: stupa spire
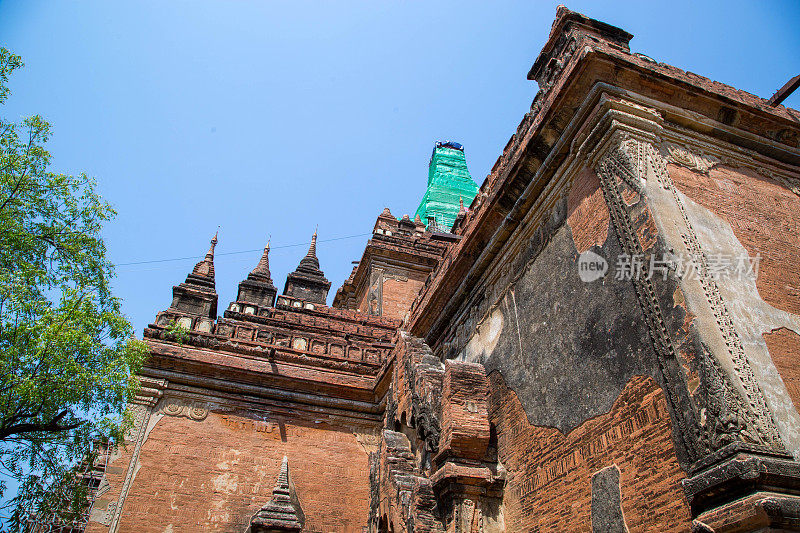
column 282, row 512
column 197, row 296
column 205, row 268
column 261, row 270
column 258, row 288
column 308, row 282
column 310, row 260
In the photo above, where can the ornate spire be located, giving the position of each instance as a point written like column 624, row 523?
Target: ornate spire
column 214, row 240
column 261, row 271
column 462, row 214
column 258, row 288
column 310, row 261
column 308, row 282
column 283, row 511
column 205, row 268
column 197, row 295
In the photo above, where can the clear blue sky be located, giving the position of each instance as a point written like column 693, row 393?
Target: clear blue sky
column 270, row 118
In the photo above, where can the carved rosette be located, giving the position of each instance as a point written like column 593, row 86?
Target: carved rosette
column 179, row 408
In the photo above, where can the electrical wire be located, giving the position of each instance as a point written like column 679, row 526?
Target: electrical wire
column 307, row 243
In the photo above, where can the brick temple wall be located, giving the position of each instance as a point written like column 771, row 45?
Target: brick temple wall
column 574, row 390
column 765, row 218
column 784, row 347
column 399, row 295
column 549, row 474
column 214, row 474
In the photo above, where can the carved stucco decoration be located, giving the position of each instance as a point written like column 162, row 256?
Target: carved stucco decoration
column 107, row 516
column 703, row 156
column 726, row 412
column 369, row 442
column 137, row 435
column 681, row 155
column 465, row 515
column 562, row 53
column 619, row 163
column 189, row 410
column 375, row 296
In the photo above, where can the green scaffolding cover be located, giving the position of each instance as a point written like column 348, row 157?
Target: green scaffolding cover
column 448, row 182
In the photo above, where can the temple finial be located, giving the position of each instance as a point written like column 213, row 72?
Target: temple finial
column 312, row 250
column 197, row 294
column 206, row 266
column 262, row 268
column 258, row 288
column 210, row 253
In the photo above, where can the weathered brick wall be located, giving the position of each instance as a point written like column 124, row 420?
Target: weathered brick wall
column 416, row 393
column 214, row 474
column 399, row 295
column 465, row 425
column 396, row 297
column 549, row 474
column 574, row 387
column 765, row 217
column 784, row 347
column 587, row 213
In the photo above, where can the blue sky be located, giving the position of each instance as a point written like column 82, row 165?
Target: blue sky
column 269, row 118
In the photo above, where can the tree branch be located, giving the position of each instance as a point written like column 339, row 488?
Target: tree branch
column 52, row 426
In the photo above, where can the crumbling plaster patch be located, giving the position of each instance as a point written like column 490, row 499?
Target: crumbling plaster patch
column 751, row 315
column 486, row 336
column 567, row 348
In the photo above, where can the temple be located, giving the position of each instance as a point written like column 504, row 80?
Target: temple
column 604, row 336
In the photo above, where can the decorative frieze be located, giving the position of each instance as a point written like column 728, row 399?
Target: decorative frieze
column 683, row 149
column 683, row 156
column 179, row 408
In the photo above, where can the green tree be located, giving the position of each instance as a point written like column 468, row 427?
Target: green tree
column 67, row 354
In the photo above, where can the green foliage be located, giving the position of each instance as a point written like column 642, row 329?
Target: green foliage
column 67, row 354
column 177, row 332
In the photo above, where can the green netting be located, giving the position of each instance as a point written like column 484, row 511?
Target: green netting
column 448, row 180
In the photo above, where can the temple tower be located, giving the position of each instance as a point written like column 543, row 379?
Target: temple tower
column 308, row 282
column 194, row 302
column 258, row 288
column 448, row 182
